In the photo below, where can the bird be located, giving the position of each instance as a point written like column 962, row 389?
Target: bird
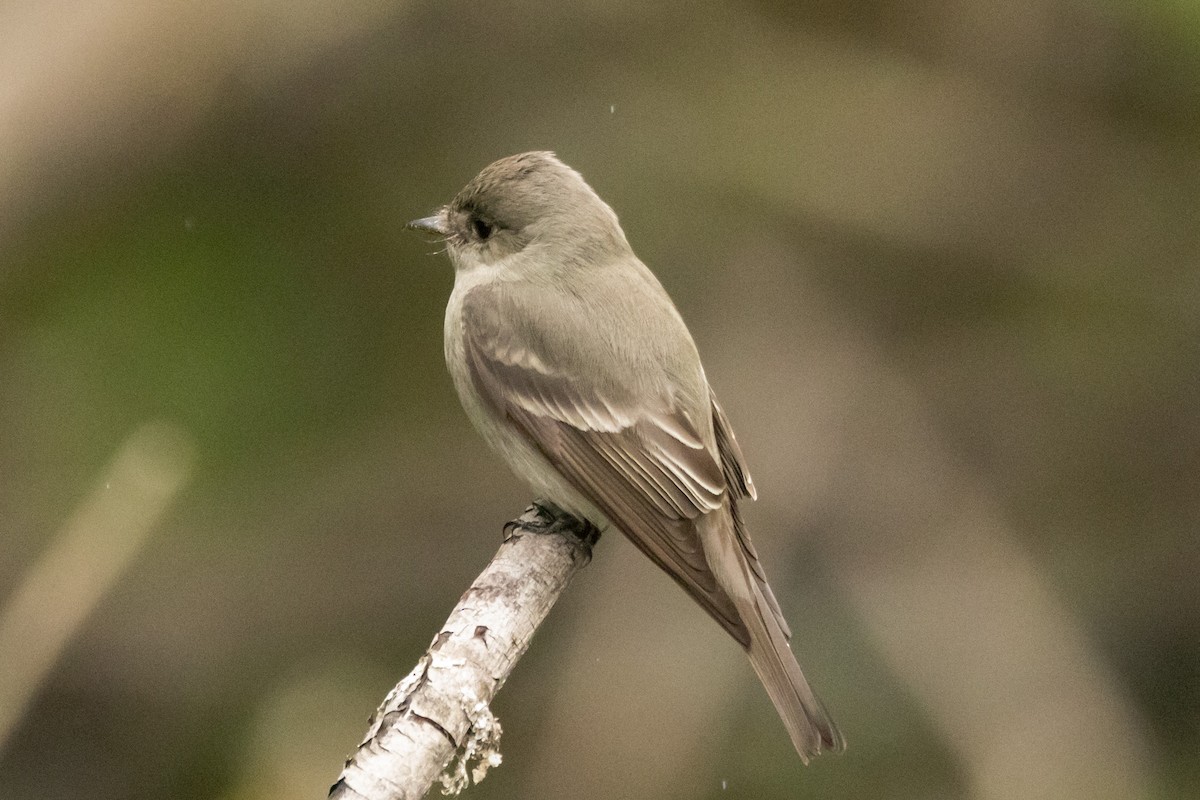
column 573, row 363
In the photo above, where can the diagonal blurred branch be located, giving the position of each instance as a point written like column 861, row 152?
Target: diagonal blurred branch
column 958, row 608
column 84, row 561
column 436, row 721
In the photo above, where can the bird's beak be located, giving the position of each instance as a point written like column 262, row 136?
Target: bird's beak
column 435, row 224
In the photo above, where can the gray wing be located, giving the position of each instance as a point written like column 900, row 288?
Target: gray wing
column 635, row 453
column 733, row 464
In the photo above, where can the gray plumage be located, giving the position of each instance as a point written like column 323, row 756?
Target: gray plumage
column 574, row 364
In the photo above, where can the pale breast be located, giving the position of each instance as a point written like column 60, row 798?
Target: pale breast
column 522, row 457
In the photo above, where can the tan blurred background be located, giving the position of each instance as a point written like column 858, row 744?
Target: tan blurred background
column 940, row 258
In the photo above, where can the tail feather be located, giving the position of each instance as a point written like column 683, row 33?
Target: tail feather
column 808, row 723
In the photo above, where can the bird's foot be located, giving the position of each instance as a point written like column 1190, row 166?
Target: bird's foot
column 545, row 517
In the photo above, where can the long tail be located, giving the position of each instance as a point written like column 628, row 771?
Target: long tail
column 803, row 714
column 807, row 722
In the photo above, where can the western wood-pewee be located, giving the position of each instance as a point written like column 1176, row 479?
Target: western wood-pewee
column 574, row 364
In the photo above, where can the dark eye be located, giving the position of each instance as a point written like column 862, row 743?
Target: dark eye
column 482, row 229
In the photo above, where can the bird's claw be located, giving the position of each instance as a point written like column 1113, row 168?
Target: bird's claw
column 543, row 516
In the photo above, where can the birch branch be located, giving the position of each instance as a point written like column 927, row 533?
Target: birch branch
column 436, row 723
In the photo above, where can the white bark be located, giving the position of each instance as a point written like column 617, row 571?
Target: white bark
column 436, row 722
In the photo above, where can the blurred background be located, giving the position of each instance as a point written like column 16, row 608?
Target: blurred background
column 940, row 258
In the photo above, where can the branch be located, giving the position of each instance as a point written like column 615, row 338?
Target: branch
column 85, row 559
column 437, row 721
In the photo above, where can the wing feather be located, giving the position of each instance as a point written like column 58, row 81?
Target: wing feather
column 643, row 464
column 733, row 464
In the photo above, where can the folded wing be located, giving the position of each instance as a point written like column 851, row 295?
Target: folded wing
column 640, row 458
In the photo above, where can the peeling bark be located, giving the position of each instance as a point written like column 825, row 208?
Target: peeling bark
column 436, row 723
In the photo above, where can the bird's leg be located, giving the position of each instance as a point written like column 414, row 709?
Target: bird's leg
column 545, row 517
